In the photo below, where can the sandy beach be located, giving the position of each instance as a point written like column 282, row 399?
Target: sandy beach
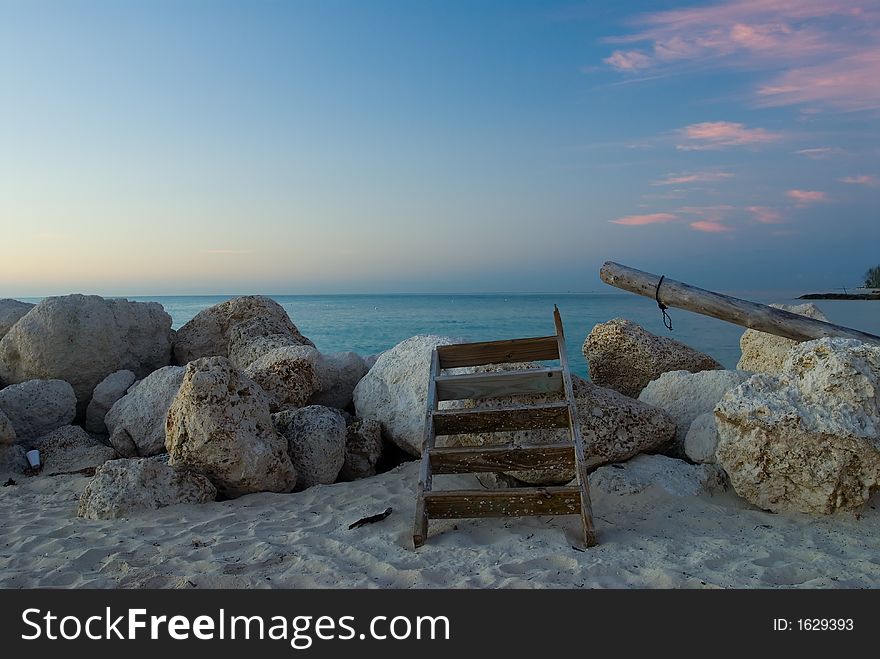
column 647, row 540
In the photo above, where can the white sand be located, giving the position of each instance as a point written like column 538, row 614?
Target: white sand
column 650, row 539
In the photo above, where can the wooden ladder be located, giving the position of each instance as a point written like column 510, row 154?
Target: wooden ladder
column 515, row 502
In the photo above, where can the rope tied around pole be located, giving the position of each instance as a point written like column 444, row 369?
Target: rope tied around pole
column 667, row 321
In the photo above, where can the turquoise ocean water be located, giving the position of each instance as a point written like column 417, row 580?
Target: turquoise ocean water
column 369, row 324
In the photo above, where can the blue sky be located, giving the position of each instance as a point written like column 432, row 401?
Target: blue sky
column 315, row 147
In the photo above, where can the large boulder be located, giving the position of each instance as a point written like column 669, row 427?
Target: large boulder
column 363, row 448
column 136, row 422
column 210, row 332
column 807, row 440
column 71, row 449
column 672, row 476
column 36, row 407
column 125, row 488
column 685, row 396
column 10, row 312
column 316, row 443
column 108, row 391
column 395, row 390
column 624, row 357
column 220, row 425
column 338, row 375
column 614, row 428
column 84, row 338
column 7, row 431
column 765, row 353
column 288, row 375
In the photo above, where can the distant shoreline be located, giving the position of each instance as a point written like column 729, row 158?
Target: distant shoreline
column 840, row 296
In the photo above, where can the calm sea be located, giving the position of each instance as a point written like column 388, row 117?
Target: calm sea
column 369, row 324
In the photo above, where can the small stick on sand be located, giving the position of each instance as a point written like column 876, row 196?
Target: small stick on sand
column 372, row 519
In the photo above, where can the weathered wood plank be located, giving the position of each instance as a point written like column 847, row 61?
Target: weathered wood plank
column 504, row 383
column 518, row 502
column 541, row 348
column 482, row 459
column 586, row 505
column 521, row 417
column 724, row 307
column 420, row 526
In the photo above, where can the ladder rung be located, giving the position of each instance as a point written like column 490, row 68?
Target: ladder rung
column 503, row 383
column 535, row 349
column 517, row 502
column 482, row 459
column 522, row 417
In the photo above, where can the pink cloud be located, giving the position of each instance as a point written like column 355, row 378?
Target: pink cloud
column 722, row 134
column 765, row 215
column 862, row 179
column 629, row 60
column 804, row 197
column 710, row 226
column 695, row 177
column 708, row 219
column 824, row 51
column 641, row 220
column 846, row 83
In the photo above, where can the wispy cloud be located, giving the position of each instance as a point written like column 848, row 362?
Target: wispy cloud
column 693, row 177
column 641, row 220
column 227, row 251
column 764, row 215
column 820, row 152
column 631, row 60
column 806, row 197
column 862, row 179
column 709, row 219
column 49, row 235
column 847, row 83
column 710, row 226
column 824, row 52
column 710, row 135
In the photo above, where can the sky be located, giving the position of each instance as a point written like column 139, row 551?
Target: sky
column 185, row 147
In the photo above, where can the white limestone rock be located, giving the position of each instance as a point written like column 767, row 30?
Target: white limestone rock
column 807, row 440
column 288, row 375
column 209, row 333
column 84, row 338
column 136, row 422
column 765, row 353
column 685, row 396
column 10, row 312
column 625, row 357
column 220, row 425
column 395, row 389
column 108, row 391
column 36, row 407
column 675, row 477
column 316, row 443
column 71, row 449
column 126, row 488
column 702, row 439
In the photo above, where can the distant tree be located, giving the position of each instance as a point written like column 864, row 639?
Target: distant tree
column 872, row 277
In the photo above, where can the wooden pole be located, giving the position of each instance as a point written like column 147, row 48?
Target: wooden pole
column 740, row 312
